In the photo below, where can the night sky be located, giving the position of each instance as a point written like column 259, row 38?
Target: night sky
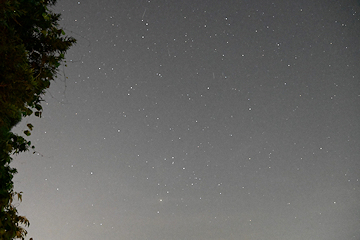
column 199, row 120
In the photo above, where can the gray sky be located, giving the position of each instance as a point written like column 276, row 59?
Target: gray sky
column 194, row 120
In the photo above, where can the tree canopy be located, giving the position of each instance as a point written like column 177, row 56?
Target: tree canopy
column 32, row 47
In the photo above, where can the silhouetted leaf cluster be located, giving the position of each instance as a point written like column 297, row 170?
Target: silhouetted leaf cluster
column 32, row 47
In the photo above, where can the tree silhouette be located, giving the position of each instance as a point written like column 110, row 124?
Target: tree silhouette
column 32, row 46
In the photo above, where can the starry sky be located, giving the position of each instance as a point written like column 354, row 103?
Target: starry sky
column 199, row 120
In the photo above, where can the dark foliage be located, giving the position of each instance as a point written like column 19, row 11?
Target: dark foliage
column 32, row 46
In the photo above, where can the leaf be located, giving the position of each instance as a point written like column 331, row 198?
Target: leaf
column 19, row 196
column 30, row 126
column 38, row 114
column 27, row 112
column 38, row 107
column 27, row 132
column 46, row 16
